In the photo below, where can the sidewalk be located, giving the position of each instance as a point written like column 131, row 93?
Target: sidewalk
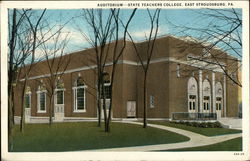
column 195, row 140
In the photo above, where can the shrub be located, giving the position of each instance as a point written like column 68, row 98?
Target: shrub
column 199, row 124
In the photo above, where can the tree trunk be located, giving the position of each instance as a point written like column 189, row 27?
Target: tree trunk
column 51, row 108
column 145, row 100
column 99, row 104
column 104, row 106
column 10, row 124
column 10, row 74
column 22, row 121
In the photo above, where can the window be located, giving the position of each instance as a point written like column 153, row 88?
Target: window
column 206, row 104
column 107, row 91
column 152, row 101
column 218, row 103
column 59, row 97
column 41, row 99
column 178, row 70
column 27, row 97
column 27, row 100
column 107, row 87
column 192, row 94
column 79, row 96
column 59, row 93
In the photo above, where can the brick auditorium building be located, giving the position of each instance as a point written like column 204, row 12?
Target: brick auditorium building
column 183, row 78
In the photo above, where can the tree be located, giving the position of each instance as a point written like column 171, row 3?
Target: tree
column 104, row 38
column 29, row 48
column 56, row 62
column 145, row 64
column 99, row 38
column 117, row 54
column 22, row 45
column 223, row 30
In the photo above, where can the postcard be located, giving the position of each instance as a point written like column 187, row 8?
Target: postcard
column 125, row 80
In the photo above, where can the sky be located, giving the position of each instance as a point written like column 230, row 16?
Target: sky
column 140, row 24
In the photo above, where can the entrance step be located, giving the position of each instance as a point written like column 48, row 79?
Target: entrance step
column 232, row 123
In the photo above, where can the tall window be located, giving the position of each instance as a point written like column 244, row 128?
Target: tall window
column 192, row 104
column 41, row 98
column 79, row 96
column 107, row 87
column 178, row 70
column 206, row 101
column 152, row 101
column 59, row 93
column 219, row 95
column 206, row 91
column 27, row 98
column 192, row 95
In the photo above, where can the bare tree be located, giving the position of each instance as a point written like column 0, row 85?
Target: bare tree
column 21, row 29
column 117, row 53
column 105, row 39
column 223, row 29
column 34, row 28
column 56, row 62
column 144, row 60
column 99, row 38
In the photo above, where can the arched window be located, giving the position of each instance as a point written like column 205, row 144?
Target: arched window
column 79, row 95
column 206, row 96
column 219, row 100
column 27, row 97
column 192, row 95
column 59, row 99
column 41, row 98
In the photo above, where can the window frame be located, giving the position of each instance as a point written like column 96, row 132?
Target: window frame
column 152, row 101
column 29, row 95
column 178, row 74
column 75, row 110
column 56, row 90
column 38, row 101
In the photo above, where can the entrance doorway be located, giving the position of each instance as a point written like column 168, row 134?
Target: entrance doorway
column 107, row 103
column 131, row 109
column 206, row 104
column 192, row 103
column 218, row 106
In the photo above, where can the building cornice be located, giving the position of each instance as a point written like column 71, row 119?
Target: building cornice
column 134, row 63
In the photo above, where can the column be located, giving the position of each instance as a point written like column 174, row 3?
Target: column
column 225, row 96
column 200, row 91
column 213, row 92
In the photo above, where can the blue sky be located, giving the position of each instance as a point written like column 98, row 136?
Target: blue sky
column 138, row 27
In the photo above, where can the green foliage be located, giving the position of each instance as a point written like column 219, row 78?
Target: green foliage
column 200, row 124
column 86, row 135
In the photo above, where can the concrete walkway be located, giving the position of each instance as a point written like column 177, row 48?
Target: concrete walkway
column 195, row 140
column 232, row 123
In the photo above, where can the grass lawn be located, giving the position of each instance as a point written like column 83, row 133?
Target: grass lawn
column 199, row 130
column 229, row 145
column 86, row 135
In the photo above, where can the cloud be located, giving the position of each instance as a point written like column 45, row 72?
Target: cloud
column 146, row 32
